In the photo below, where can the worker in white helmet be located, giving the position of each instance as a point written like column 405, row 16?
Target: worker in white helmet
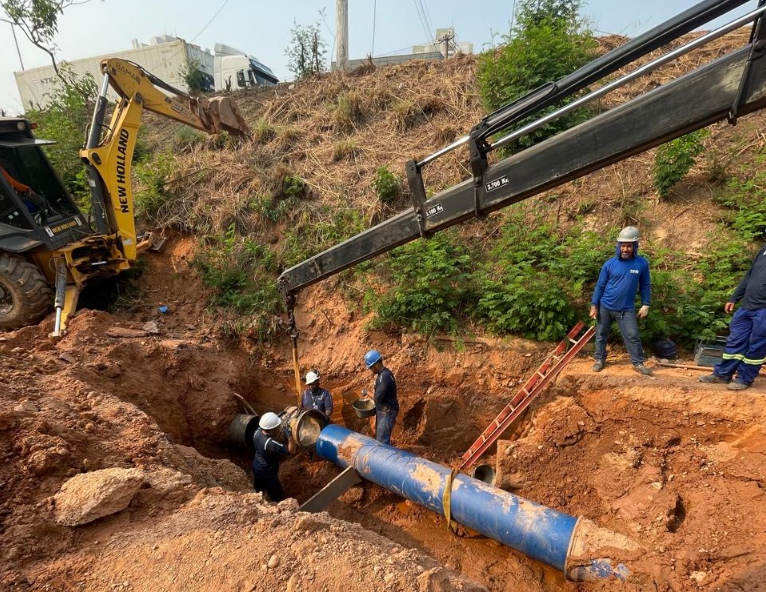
column 315, row 397
column 621, row 277
column 268, row 453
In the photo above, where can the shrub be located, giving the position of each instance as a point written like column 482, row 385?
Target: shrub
column 64, row 120
column 272, row 209
column 548, row 42
column 345, row 149
column 154, row 176
column 185, row 137
column 348, row 111
column 744, row 198
column 263, row 131
column 242, row 276
column 386, row 184
column 429, row 285
column 528, row 302
column 676, row 158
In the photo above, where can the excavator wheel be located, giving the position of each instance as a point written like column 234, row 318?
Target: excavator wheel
column 25, row 295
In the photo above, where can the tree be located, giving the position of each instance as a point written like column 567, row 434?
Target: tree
column 64, row 121
column 548, row 41
column 306, row 52
column 38, row 20
column 194, row 77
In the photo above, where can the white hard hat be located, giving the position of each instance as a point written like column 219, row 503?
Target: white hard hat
column 629, row 234
column 269, row 421
column 311, row 377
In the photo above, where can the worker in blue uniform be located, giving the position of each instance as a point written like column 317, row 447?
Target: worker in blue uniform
column 315, row 397
column 268, row 453
column 614, row 299
column 745, row 348
column 386, row 402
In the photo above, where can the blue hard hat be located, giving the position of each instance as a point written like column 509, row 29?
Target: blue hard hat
column 371, row 357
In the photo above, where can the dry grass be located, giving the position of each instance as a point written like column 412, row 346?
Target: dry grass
column 334, row 131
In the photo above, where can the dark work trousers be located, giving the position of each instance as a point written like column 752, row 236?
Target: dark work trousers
column 384, row 425
column 626, row 321
column 745, row 347
column 271, row 485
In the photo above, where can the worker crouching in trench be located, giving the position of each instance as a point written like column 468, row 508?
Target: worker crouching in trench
column 269, row 451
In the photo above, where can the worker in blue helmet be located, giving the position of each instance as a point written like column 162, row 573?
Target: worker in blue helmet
column 386, row 403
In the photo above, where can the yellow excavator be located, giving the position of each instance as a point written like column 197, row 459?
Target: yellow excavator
column 47, row 246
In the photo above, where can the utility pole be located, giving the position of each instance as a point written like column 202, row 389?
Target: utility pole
column 446, row 39
column 341, row 34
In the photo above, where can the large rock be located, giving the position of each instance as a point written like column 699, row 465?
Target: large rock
column 90, row 496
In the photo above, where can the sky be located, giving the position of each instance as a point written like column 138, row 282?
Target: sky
column 262, row 28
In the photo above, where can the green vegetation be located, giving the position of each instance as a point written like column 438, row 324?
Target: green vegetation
column 676, row 158
column 386, row 184
column 64, row 121
column 263, row 131
column 309, row 235
column 533, row 282
column 306, row 51
column 348, row 111
column 154, row 175
column 744, row 195
column 194, row 77
column 345, row 149
column 242, row 276
column 548, row 41
column 428, row 286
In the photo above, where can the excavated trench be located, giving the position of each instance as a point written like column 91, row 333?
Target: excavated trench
column 677, row 467
column 624, row 453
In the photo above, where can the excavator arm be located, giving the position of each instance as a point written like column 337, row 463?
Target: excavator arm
column 108, row 154
column 109, row 150
column 731, row 86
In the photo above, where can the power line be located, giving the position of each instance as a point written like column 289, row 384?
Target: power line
column 422, row 20
column 427, row 14
column 217, row 12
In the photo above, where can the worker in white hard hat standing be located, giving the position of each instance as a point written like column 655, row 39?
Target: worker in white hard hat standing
column 315, row 397
column 268, row 453
column 614, row 299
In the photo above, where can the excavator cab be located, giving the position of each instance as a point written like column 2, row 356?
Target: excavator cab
column 45, row 217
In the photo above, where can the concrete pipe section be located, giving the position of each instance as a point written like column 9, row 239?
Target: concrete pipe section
column 577, row 547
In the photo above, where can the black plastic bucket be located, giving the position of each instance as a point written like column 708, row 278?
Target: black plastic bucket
column 242, row 428
column 665, row 349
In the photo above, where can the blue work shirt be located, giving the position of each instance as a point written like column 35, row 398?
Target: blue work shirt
column 321, row 401
column 268, row 452
column 620, row 279
column 385, row 392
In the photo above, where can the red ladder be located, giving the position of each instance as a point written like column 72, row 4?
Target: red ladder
column 542, row 377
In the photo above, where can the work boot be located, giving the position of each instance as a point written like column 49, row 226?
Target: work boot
column 737, row 386
column 641, row 369
column 598, row 366
column 714, row 379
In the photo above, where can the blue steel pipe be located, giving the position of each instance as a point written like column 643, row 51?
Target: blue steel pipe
column 537, row 531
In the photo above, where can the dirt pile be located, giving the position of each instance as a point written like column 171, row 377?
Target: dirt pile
column 91, row 434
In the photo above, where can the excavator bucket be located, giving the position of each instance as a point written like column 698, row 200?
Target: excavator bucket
column 226, row 114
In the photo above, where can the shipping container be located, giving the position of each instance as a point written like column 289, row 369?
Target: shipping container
column 167, row 58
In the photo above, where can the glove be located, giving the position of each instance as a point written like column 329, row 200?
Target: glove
column 643, row 311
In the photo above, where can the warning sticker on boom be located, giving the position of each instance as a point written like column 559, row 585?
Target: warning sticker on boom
column 496, row 184
column 434, row 210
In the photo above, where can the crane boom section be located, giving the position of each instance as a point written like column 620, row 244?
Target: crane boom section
column 735, row 83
